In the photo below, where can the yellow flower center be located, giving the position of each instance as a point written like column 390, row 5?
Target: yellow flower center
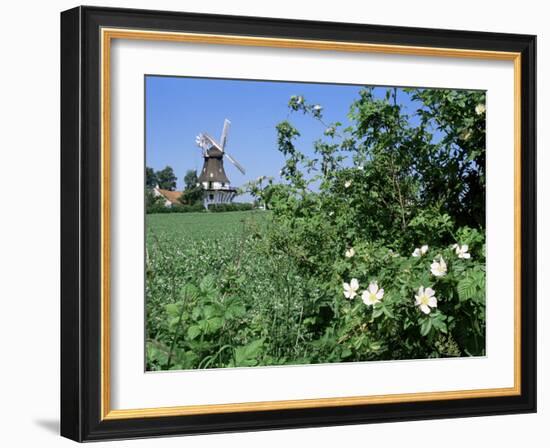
column 424, row 300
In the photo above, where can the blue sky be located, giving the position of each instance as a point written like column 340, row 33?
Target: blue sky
column 178, row 108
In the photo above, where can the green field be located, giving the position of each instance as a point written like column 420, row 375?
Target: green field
column 199, row 226
column 206, row 277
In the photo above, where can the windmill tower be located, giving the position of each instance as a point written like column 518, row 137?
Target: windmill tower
column 212, row 178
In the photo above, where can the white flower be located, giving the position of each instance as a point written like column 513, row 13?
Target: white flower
column 420, row 251
column 360, row 167
column 330, row 213
column 350, row 252
column 461, row 251
column 350, row 289
column 317, row 108
column 299, row 99
column 329, row 131
column 480, row 109
column 347, row 184
column 372, row 295
column 425, row 299
column 465, row 134
column 439, row 268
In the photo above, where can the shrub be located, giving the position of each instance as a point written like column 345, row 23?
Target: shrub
column 231, row 207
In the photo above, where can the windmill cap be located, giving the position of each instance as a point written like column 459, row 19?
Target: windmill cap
column 214, row 152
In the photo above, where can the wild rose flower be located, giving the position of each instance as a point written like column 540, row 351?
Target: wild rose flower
column 350, row 252
column 420, row 251
column 425, row 299
column 350, row 289
column 461, row 251
column 465, row 134
column 439, row 268
column 347, row 183
column 372, row 295
column 480, row 109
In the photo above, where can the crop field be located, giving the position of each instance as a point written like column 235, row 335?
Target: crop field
column 199, row 292
column 199, row 226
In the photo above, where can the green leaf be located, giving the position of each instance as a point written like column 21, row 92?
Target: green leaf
column 214, row 324
column 173, row 309
column 207, row 283
column 209, row 311
column 426, row 327
column 440, row 325
column 189, row 291
column 246, row 355
column 378, row 310
column 193, row 331
column 387, row 312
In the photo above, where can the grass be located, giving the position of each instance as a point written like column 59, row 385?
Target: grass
column 200, row 226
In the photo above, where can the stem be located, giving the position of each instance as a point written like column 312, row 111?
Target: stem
column 176, row 333
column 399, row 197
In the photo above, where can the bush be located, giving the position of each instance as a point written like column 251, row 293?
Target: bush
column 231, row 207
column 175, row 208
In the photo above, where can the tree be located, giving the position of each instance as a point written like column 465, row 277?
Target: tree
column 150, row 177
column 166, row 179
column 190, row 179
column 191, row 196
column 193, row 193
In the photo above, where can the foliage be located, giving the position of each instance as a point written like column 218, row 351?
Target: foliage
column 192, row 193
column 192, row 196
column 166, row 179
column 372, row 248
column 157, row 207
column 150, row 178
column 153, row 203
column 190, row 179
column 231, row 207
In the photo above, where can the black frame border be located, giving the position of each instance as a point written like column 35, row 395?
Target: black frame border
column 81, row 223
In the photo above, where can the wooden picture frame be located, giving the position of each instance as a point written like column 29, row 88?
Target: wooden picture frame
column 86, row 35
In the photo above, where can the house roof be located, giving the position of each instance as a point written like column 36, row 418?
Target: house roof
column 172, row 196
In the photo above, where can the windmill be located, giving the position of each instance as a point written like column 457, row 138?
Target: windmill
column 212, row 179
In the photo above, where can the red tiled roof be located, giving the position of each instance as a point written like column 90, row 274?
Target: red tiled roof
column 172, row 196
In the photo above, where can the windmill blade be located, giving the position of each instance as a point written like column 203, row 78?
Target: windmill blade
column 234, row 162
column 212, row 142
column 202, row 143
column 225, row 132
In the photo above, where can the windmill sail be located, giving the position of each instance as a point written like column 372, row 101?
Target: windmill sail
column 225, row 132
column 234, row 162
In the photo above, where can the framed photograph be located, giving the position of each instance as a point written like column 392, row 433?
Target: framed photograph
column 273, row 223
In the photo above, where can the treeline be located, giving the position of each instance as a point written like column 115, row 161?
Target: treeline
column 190, row 200
column 198, row 208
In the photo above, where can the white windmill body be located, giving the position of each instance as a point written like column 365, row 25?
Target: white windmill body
column 212, row 178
